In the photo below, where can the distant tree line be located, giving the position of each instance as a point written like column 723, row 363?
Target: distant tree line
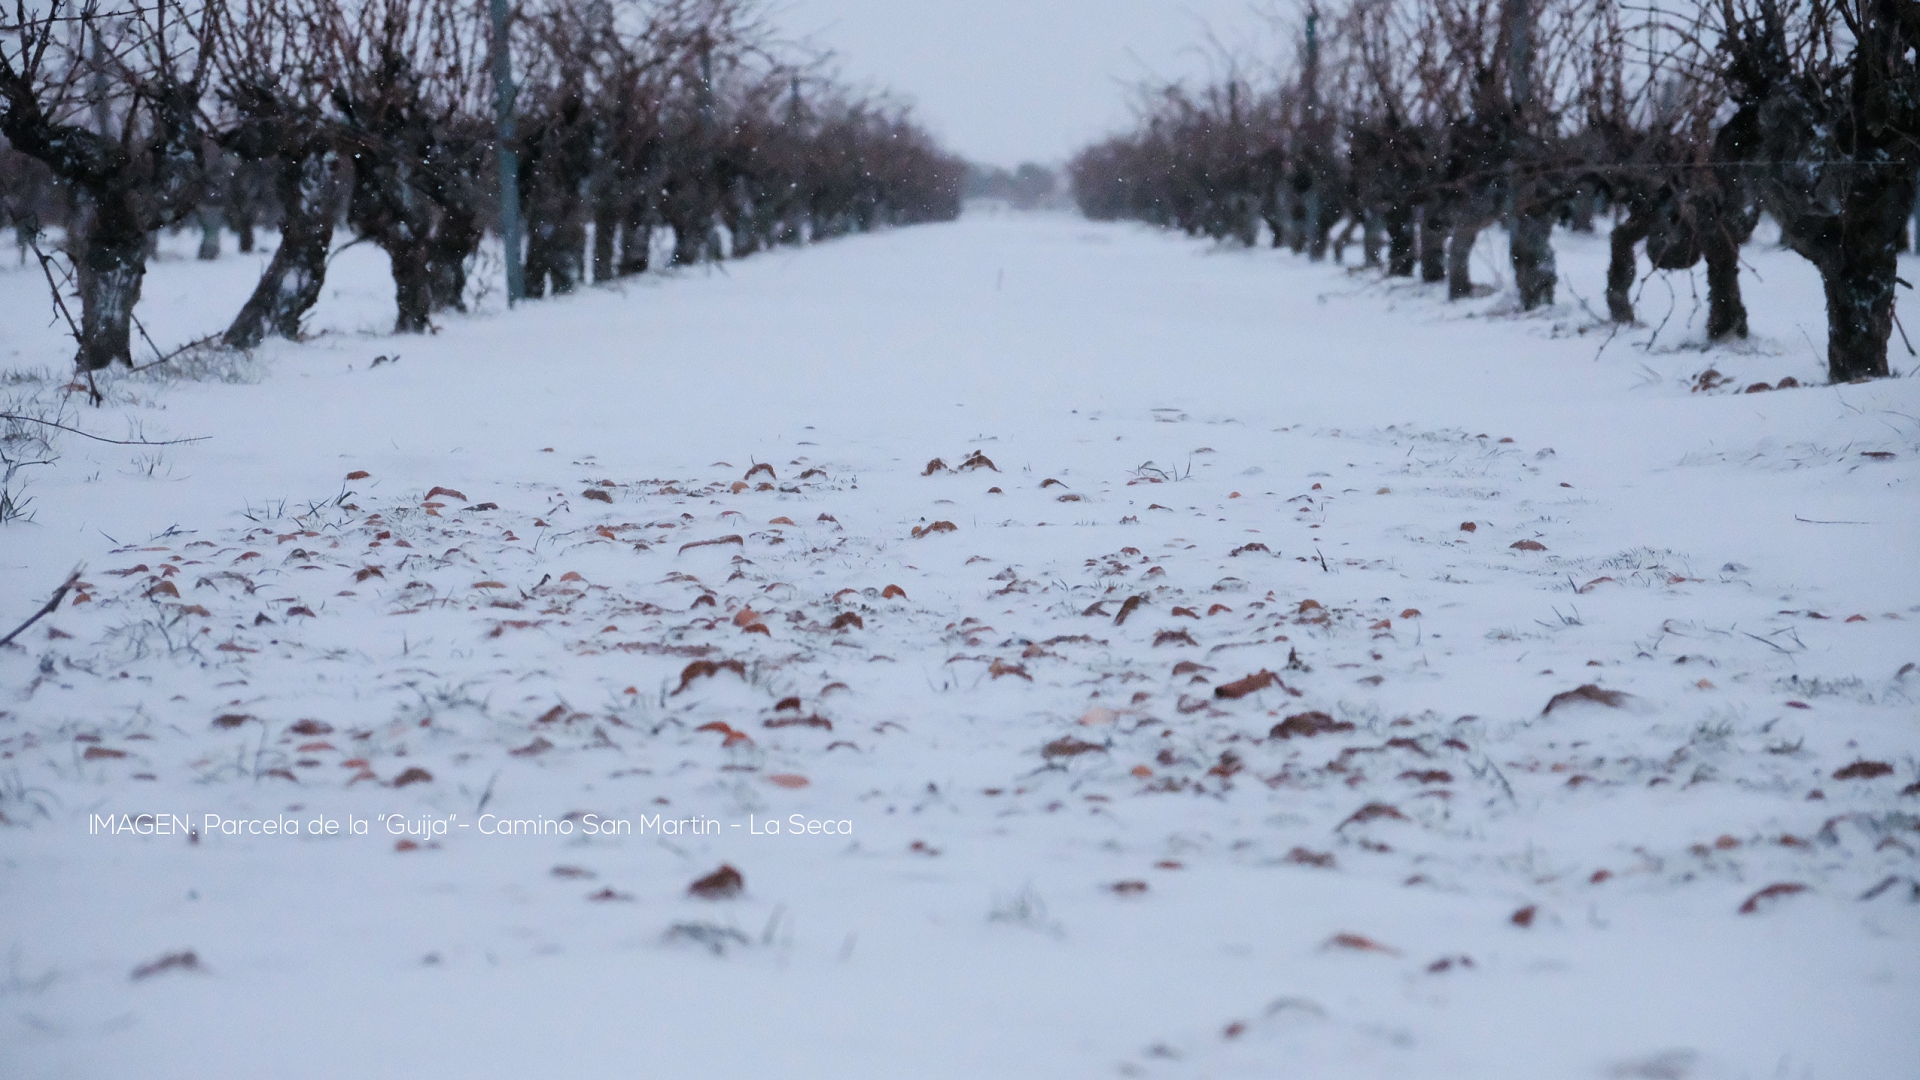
column 1413, row 125
column 1028, row 187
column 633, row 121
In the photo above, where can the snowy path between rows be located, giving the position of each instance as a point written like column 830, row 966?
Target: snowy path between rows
column 1188, row 716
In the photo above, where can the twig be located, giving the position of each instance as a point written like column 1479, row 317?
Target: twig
column 60, row 304
column 1817, row 521
column 194, row 344
column 59, row 594
column 1903, row 334
column 144, row 336
column 104, row 439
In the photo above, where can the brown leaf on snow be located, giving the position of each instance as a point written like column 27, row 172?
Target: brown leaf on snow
column 934, row 466
column 846, row 619
column 1588, row 692
column 1129, row 888
column 1527, row 545
column 180, row 961
column 1050, row 482
column 231, row 720
column 165, row 588
column 102, row 753
column 358, row 474
column 1863, row 770
column 892, row 591
column 1187, row 611
column 1173, row 637
column 1126, row 609
column 1373, row 811
column 1783, row 888
column 448, row 492
column 723, row 884
column 1240, row 688
column 709, row 668
column 533, row 749
column 571, row 872
column 1068, row 746
column 597, row 495
column 310, row 727
column 366, row 572
column 999, row 668
column 746, row 616
column 730, row 539
column 1098, row 607
column 1468, row 526
column 414, row 775
column 782, row 520
column 799, row 721
column 756, row 628
column 1524, row 917
column 978, row 460
column 763, row 467
column 1360, row 943
column 936, row 527
column 788, row 780
column 1302, row 857
column 1307, row 724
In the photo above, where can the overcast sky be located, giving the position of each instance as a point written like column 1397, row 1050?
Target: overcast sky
column 1006, row 81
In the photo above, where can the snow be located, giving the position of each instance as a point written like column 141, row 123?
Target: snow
column 1704, row 554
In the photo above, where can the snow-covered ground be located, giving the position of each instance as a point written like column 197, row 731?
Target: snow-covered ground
column 672, row 556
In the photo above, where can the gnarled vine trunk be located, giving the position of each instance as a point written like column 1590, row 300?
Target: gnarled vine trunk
column 291, row 284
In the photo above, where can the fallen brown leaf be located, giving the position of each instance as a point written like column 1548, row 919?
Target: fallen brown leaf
column 723, row 884
column 1588, row 692
column 1068, row 746
column 180, row 961
column 1863, row 770
column 1307, row 724
column 730, row 539
column 1240, row 688
column 1360, row 943
column 1784, row 888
